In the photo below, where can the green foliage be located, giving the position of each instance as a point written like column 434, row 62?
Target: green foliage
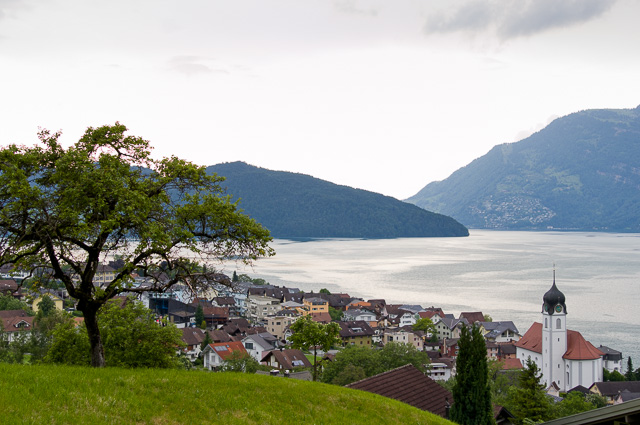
column 255, row 281
column 425, row 325
column 311, row 336
column 46, row 306
column 573, row 403
column 577, row 173
column 471, row 391
column 324, row 291
column 132, row 338
column 105, row 195
column 630, row 375
column 299, row 206
column 240, row 362
column 529, row 400
column 85, row 396
column 353, row 363
column 336, row 315
column 200, row 317
column 616, row 376
column 7, row 302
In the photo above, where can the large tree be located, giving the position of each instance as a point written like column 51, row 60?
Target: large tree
column 67, row 210
column 311, row 335
column 471, row 391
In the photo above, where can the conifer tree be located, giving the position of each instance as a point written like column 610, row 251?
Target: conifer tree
column 530, row 401
column 629, row 374
column 471, row 392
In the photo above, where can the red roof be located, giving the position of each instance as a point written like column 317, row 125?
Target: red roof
column 510, row 364
column 532, row 339
column 226, row 349
column 577, row 347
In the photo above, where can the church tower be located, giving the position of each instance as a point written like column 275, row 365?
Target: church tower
column 554, row 336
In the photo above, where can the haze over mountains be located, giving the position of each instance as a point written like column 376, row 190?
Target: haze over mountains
column 581, row 172
column 295, row 205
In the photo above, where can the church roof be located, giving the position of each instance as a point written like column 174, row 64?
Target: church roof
column 578, row 348
column 552, row 297
column 532, row 339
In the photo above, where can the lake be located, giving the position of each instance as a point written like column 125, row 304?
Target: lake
column 503, row 274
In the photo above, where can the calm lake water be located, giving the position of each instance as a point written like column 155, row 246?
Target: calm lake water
column 503, row 274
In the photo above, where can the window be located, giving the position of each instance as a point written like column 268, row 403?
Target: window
column 558, row 323
column 248, row 345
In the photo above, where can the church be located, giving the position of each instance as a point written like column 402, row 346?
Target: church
column 565, row 358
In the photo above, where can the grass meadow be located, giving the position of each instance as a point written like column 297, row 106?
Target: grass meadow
column 50, row 394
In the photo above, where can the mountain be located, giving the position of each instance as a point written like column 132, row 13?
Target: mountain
column 295, row 205
column 581, row 172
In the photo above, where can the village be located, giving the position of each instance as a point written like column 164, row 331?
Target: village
column 240, row 316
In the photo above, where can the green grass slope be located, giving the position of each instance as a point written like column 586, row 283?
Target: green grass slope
column 293, row 205
column 46, row 394
column 581, row 172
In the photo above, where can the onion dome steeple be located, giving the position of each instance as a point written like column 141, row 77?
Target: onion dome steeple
column 554, row 301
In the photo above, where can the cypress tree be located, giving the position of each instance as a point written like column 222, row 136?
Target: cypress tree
column 471, row 392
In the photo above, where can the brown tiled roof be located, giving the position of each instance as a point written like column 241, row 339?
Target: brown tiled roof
column 288, row 359
column 409, row 385
column 12, row 313
column 192, row 336
column 322, row 317
column 532, row 339
column 473, row 316
column 10, row 323
column 356, row 328
column 579, row 348
column 510, row 364
column 219, row 336
column 8, row 285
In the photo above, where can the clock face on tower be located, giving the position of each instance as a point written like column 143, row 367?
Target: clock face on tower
column 559, row 308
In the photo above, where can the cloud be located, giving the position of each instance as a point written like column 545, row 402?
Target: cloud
column 192, row 65
column 516, row 18
column 351, row 7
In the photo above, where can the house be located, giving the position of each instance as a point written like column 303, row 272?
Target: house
column 8, row 287
column 610, row 390
column 441, row 369
column 15, row 322
column 276, row 325
column 214, row 355
column 314, row 305
column 193, row 338
column 448, row 327
column 104, row 275
column 499, row 331
column 256, row 345
column 363, row 314
column 450, row 348
column 261, row 306
column 404, row 336
column 321, row 317
column 563, row 355
column 408, row 385
column 286, row 359
column 356, row 333
column 57, row 301
column 612, row 359
column 472, row 316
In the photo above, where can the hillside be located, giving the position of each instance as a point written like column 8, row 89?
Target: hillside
column 294, row 205
column 45, row 394
column 581, row 172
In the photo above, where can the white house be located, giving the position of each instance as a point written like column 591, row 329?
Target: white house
column 256, row 346
column 214, row 355
column 564, row 356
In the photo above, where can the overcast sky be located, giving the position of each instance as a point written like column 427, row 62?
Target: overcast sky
column 383, row 95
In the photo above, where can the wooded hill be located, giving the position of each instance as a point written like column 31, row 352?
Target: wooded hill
column 295, row 205
column 581, row 172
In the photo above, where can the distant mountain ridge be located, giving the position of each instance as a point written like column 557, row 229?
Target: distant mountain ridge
column 581, row 172
column 295, row 205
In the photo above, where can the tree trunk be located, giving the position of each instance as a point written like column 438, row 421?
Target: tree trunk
column 97, row 350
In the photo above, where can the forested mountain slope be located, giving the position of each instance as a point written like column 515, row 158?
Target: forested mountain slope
column 581, row 172
column 295, row 205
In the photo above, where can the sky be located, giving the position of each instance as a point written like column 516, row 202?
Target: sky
column 382, row 95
